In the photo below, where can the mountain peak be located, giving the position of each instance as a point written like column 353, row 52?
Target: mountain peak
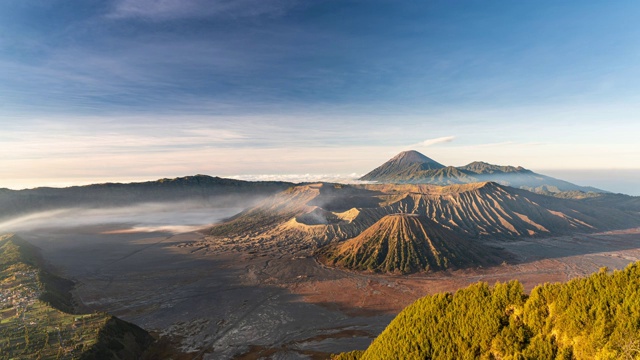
column 405, row 162
column 415, row 168
column 414, row 157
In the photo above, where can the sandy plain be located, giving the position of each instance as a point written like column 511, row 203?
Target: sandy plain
column 222, row 301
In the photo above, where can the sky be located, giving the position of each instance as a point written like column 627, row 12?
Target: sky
column 128, row 90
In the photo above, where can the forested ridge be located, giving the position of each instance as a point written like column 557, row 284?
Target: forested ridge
column 597, row 317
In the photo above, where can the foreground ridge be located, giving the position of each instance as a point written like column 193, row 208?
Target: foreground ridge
column 597, row 317
column 38, row 319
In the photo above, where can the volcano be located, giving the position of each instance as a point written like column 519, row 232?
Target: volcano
column 404, row 165
column 412, row 167
column 405, row 243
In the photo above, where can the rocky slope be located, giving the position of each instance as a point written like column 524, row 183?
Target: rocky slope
column 406, row 243
column 315, row 215
column 490, row 210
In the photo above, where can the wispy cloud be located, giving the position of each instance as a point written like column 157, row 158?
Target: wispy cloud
column 440, row 140
column 147, row 217
column 160, row 10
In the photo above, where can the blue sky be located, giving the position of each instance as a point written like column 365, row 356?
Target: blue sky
column 121, row 90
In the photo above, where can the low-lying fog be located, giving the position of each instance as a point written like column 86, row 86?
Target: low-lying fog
column 150, row 217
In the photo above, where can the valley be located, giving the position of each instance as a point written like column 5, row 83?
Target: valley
column 218, row 301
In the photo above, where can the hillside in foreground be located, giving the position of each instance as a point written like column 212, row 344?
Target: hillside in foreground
column 37, row 319
column 597, row 317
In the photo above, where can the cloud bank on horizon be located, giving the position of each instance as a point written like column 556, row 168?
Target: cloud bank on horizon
column 122, row 90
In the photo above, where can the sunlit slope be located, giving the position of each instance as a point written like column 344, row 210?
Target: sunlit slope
column 322, row 213
column 314, row 214
column 405, row 243
column 496, row 211
column 37, row 319
column 597, row 317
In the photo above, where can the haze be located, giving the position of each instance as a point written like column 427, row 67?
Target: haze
column 150, row 217
column 129, row 90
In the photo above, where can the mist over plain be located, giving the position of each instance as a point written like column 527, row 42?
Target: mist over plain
column 146, row 217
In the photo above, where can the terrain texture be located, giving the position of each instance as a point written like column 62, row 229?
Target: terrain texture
column 406, row 243
column 408, row 228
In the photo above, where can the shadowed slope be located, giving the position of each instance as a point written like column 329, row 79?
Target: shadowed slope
column 406, row 243
column 618, row 201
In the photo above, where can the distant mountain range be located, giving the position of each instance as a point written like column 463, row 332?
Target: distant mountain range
column 412, row 167
column 208, row 190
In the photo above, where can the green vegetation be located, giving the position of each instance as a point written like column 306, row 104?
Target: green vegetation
column 597, row 317
column 36, row 319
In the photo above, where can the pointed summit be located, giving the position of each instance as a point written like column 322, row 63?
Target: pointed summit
column 414, row 157
column 403, row 164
